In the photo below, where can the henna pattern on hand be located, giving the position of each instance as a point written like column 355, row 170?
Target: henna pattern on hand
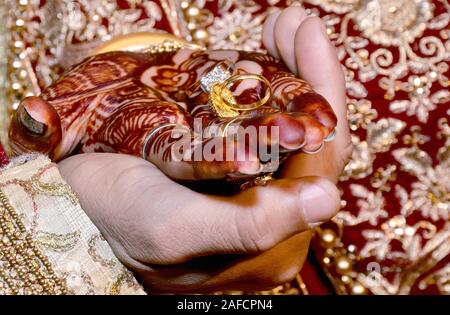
column 111, row 102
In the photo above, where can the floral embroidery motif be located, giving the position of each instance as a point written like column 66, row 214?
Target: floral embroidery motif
column 389, row 22
column 237, row 29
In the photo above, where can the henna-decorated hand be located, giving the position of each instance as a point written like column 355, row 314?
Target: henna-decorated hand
column 172, row 237
column 118, row 102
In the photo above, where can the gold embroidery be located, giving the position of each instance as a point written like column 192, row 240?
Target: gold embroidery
column 56, row 190
column 57, row 242
column 124, row 278
column 380, row 136
column 441, row 278
column 35, row 186
column 24, row 269
column 92, row 251
column 196, row 20
column 79, row 282
column 389, row 22
column 340, row 259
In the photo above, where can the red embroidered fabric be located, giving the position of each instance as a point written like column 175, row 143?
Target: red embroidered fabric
column 3, row 157
column 392, row 235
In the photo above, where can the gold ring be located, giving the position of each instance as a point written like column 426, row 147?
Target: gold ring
column 229, row 100
column 225, row 129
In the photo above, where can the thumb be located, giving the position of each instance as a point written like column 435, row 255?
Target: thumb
column 35, row 127
column 252, row 221
column 265, row 216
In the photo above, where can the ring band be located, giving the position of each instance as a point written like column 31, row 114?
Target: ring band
column 225, row 130
column 217, row 83
column 231, row 101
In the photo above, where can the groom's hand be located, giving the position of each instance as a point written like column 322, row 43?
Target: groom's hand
column 175, row 239
column 303, row 44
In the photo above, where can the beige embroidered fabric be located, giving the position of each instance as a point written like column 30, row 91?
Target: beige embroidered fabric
column 47, row 243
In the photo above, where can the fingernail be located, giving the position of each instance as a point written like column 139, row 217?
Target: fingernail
column 320, row 201
column 29, row 123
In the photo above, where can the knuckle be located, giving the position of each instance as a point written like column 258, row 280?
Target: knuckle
column 152, row 245
column 254, row 231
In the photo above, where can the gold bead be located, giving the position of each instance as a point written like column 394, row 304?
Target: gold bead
column 328, row 237
column 200, row 35
column 191, row 26
column 358, row 289
column 345, row 279
column 184, row 4
column 20, row 252
column 343, row 264
column 193, row 11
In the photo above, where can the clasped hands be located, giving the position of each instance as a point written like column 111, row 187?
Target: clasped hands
column 177, row 240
